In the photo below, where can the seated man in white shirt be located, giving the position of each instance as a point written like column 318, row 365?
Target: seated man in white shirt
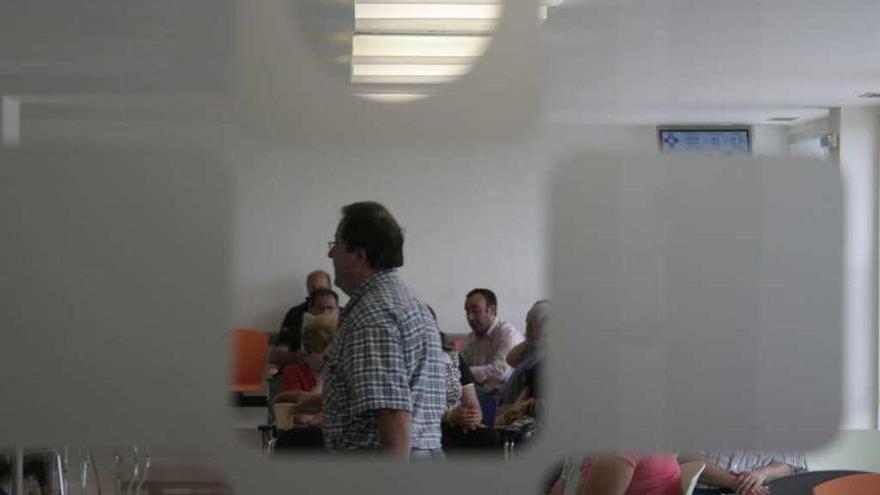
column 485, row 349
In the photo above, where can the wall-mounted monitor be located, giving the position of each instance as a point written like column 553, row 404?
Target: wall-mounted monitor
column 706, row 140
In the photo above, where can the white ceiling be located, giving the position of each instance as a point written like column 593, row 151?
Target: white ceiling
column 653, row 61
column 621, row 61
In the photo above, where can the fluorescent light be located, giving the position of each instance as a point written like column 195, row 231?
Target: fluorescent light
column 448, row 26
column 425, row 11
column 409, row 69
column 393, row 97
column 428, row 2
column 417, row 17
column 418, row 42
column 374, row 45
column 407, row 73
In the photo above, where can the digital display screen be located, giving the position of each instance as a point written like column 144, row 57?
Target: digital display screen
column 727, row 141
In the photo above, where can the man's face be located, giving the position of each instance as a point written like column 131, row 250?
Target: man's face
column 480, row 315
column 323, row 304
column 317, row 281
column 344, row 264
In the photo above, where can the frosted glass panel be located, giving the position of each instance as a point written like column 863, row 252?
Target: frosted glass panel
column 699, row 303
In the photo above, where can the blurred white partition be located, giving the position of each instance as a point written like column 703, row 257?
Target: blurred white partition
column 698, row 303
column 114, row 293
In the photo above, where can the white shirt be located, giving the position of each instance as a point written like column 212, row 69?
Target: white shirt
column 486, row 356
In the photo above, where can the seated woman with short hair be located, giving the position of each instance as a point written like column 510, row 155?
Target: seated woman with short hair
column 302, row 383
column 520, row 394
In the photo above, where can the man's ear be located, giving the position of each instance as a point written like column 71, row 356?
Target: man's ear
column 361, row 255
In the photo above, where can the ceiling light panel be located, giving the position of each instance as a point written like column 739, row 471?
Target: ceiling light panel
column 372, row 45
column 426, row 18
column 407, row 73
column 417, row 44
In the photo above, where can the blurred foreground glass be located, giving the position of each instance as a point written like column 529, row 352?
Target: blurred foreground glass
column 701, row 297
column 132, row 469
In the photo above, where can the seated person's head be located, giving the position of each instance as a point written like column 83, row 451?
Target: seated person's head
column 480, row 308
column 317, row 335
column 318, row 279
column 536, row 320
column 323, row 301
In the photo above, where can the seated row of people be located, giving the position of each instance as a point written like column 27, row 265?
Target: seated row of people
column 739, row 472
column 384, row 375
column 383, row 386
column 485, row 350
column 494, row 351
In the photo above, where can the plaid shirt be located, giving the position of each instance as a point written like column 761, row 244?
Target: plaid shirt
column 386, row 355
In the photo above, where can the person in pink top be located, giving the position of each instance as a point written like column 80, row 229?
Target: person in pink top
column 627, row 474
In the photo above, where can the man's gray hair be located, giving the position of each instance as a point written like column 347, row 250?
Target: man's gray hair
column 319, row 273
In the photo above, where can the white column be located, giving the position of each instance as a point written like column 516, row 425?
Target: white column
column 858, row 128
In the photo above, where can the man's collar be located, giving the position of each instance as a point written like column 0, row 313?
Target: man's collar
column 366, row 284
column 495, row 324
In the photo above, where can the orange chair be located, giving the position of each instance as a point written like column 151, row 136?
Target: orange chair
column 854, row 484
column 249, row 350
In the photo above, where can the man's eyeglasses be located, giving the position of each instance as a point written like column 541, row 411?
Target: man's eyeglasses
column 334, row 242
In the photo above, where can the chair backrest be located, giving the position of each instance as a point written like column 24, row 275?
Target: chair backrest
column 857, row 450
column 690, row 473
column 854, row 484
column 249, row 350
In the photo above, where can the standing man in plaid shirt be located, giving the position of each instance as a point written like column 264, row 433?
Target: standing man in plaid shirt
column 384, row 382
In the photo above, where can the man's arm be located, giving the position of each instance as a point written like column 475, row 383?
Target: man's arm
column 515, row 355
column 712, row 475
column 373, row 362
column 498, row 368
column 303, row 401
column 394, row 429
column 285, row 349
column 289, row 333
column 749, row 480
column 776, row 470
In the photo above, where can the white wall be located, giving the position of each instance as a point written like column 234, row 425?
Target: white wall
column 474, row 215
column 859, row 130
column 770, row 140
column 805, row 139
column 809, row 130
